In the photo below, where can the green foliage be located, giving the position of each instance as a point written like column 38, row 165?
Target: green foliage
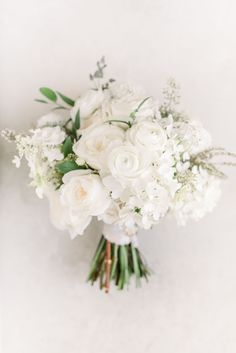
column 41, row 101
column 101, row 65
column 126, row 262
column 67, row 166
column 66, row 99
column 48, row 93
column 67, row 146
column 77, row 120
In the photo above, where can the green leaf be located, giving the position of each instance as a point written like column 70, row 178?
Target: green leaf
column 66, row 99
column 115, row 260
column 135, row 262
column 77, row 120
column 40, row 101
column 48, row 93
column 67, row 166
column 67, row 146
column 59, row 108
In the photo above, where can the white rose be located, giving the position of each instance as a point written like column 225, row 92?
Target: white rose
column 126, row 98
column 83, row 196
column 96, row 142
column 61, row 216
column 51, row 136
column 51, row 118
column 148, row 135
column 87, row 104
column 127, row 163
column 57, row 211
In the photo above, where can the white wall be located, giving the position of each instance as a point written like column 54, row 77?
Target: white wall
column 189, row 304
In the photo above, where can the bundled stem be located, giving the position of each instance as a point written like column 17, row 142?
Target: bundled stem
column 108, row 265
column 117, row 263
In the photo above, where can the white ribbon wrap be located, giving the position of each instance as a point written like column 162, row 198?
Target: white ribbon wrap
column 115, row 234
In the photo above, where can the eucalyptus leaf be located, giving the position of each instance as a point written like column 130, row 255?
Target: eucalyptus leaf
column 40, row 101
column 59, row 108
column 48, row 93
column 66, row 99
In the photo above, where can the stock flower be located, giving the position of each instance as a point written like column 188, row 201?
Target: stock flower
column 96, row 142
column 50, row 136
column 50, row 119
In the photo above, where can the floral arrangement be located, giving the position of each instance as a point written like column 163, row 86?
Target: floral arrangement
column 115, row 154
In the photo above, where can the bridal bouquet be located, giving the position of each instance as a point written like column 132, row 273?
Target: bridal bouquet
column 114, row 153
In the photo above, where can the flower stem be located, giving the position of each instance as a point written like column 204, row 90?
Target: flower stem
column 108, row 266
column 117, row 263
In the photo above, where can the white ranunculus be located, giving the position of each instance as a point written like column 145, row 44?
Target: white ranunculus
column 51, row 136
column 51, row 119
column 127, row 163
column 87, row 104
column 96, row 142
column 83, row 196
column 148, row 135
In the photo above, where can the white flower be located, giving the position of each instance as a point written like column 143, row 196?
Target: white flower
column 53, row 154
column 48, row 140
column 127, row 163
column 50, row 136
column 50, row 119
column 125, row 99
column 148, row 135
column 96, row 142
column 152, row 200
column 17, row 161
column 117, row 235
column 111, row 215
column 192, row 136
column 87, row 104
column 197, row 198
column 57, row 211
column 113, row 185
column 83, row 196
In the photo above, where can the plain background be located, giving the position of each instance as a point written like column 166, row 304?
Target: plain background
column 189, row 304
